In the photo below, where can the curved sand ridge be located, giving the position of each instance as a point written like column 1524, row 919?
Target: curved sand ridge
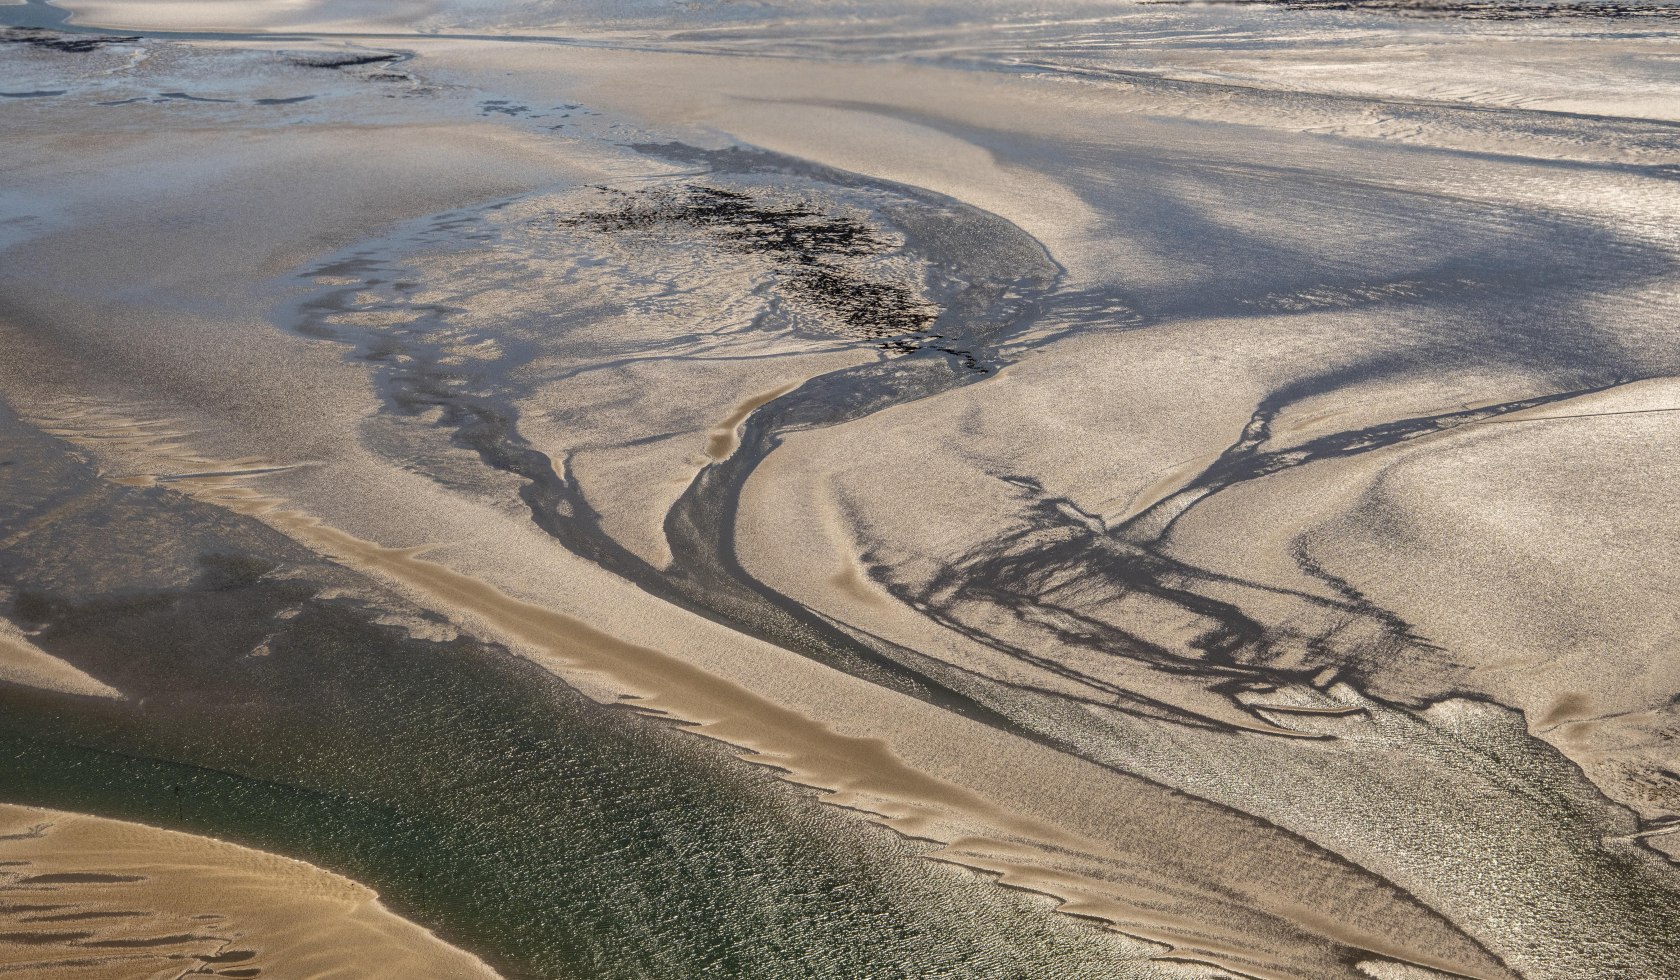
column 82, row 896
column 1233, row 346
column 22, row 662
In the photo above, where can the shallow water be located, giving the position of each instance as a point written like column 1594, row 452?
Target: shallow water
column 474, row 791
column 1204, row 464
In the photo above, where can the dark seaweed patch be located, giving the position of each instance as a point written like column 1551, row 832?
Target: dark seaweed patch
column 1480, row 9
column 342, row 60
column 791, row 229
column 808, row 247
column 35, row 37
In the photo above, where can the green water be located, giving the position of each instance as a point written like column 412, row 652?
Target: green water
column 479, row 795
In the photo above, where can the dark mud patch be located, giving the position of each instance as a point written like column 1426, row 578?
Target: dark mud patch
column 502, row 107
column 186, row 97
column 87, row 916
column 147, row 943
column 43, row 938
column 79, row 878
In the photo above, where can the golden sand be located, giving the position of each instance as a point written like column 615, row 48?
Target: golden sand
column 1141, row 893
column 22, row 662
column 726, row 437
column 82, row 896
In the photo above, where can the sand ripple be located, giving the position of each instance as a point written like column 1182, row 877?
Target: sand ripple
column 83, row 896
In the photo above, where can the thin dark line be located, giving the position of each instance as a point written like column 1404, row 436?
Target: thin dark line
column 1587, row 415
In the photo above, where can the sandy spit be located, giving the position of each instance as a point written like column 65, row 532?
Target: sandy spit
column 1086, row 877
column 22, row 662
column 83, row 896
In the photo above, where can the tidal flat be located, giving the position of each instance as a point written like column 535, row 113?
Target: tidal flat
column 862, row 489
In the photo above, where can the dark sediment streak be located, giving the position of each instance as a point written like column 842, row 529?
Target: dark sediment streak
column 993, row 294
column 472, row 789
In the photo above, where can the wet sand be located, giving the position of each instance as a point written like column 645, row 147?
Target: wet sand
column 1205, row 465
column 85, row 897
column 22, row 662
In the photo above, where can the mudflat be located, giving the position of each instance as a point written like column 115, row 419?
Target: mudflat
column 861, row 489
